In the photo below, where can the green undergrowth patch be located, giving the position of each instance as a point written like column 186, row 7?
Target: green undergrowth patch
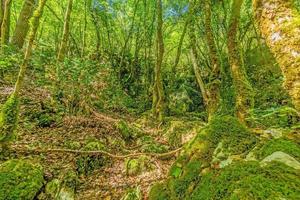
column 248, row 180
column 279, row 117
column 86, row 164
column 9, row 118
column 20, row 179
column 280, row 144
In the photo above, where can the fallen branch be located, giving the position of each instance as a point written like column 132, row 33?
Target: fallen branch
column 99, row 152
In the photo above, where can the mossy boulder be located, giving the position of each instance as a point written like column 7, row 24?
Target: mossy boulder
column 20, row 179
column 149, row 145
column 248, row 180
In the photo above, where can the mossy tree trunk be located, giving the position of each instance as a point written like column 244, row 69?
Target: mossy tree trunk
column 66, row 31
column 5, row 25
column 158, row 106
column 9, row 111
column 279, row 23
column 243, row 89
column 213, row 89
column 22, row 25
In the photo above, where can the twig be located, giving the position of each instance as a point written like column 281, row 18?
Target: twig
column 105, row 153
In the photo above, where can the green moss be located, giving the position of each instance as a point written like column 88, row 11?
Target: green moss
column 20, row 179
column 9, row 118
column 133, row 194
column 149, row 145
column 247, row 180
column 280, row 144
column 159, row 192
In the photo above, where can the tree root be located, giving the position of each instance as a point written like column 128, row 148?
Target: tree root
column 18, row 148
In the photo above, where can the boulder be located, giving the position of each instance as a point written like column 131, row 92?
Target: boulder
column 282, row 157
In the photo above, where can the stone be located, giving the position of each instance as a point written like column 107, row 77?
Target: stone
column 282, row 157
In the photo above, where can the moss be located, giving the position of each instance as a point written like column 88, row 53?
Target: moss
column 186, row 172
column 85, row 164
column 159, row 192
column 185, row 182
column 248, row 180
column 279, row 144
column 52, row 188
column 20, row 179
column 9, row 118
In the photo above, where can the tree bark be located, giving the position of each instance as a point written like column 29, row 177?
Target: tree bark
column 213, row 90
column 243, row 89
column 65, row 36
column 158, row 91
column 5, row 25
column 22, row 25
column 279, row 24
column 33, row 30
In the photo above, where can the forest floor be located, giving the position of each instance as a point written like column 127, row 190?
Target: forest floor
column 108, row 179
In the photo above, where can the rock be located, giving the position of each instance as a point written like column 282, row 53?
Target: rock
column 20, row 179
column 282, row 157
column 274, row 132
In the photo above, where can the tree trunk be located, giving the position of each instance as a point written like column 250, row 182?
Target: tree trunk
column 5, row 26
column 65, row 36
column 243, row 89
column 22, row 25
column 279, row 23
column 213, row 90
column 158, row 91
column 9, row 112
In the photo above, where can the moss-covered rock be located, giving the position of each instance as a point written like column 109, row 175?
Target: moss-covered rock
column 149, row 145
column 9, row 118
column 20, row 179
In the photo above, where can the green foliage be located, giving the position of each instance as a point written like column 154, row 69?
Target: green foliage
column 136, row 166
column 247, row 180
column 85, row 164
column 280, row 144
column 133, row 194
column 284, row 117
column 127, row 132
column 158, row 192
column 20, row 180
column 9, row 118
column 149, row 145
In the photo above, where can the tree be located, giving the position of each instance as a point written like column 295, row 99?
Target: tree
column 66, row 31
column 243, row 89
column 158, row 91
column 5, row 26
column 9, row 112
column 279, row 24
column 22, row 25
